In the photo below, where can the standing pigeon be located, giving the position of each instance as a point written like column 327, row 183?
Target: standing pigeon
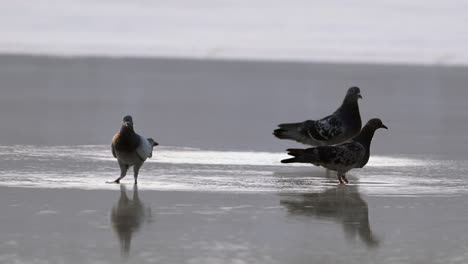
column 343, row 124
column 340, row 158
column 131, row 149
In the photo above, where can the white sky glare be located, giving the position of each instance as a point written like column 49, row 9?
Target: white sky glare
column 390, row 31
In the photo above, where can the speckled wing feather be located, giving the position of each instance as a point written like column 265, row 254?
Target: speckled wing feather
column 342, row 125
column 314, row 132
column 344, row 155
column 311, row 131
column 326, row 128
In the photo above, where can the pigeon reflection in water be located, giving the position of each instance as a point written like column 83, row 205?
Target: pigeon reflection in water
column 127, row 217
column 343, row 204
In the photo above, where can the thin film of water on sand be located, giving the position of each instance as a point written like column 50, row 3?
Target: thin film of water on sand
column 89, row 167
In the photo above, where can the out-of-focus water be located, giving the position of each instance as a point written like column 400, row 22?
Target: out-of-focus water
column 226, row 105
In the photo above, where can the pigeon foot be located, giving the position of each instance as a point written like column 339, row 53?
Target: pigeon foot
column 112, row 182
column 345, row 180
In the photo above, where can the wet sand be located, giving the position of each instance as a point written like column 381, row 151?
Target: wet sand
column 215, row 192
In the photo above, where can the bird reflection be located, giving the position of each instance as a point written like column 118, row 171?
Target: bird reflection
column 127, row 217
column 343, row 204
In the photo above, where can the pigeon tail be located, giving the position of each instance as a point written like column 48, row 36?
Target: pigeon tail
column 290, row 126
column 281, row 133
column 310, row 155
column 295, row 152
column 291, row 160
column 295, row 131
column 288, row 131
column 287, row 134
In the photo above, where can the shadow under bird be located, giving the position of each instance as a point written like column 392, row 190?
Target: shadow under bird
column 131, row 149
column 342, row 125
column 340, row 158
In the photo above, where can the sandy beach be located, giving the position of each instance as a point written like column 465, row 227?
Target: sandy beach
column 215, row 191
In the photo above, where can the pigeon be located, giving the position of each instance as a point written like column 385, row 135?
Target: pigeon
column 131, row 149
column 342, row 125
column 340, row 158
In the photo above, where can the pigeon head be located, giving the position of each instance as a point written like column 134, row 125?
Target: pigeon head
column 354, row 93
column 367, row 132
column 127, row 121
column 366, row 135
column 127, row 125
column 152, row 142
column 376, row 124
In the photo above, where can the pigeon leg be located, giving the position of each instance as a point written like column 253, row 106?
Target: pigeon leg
column 344, row 179
column 340, row 178
column 123, row 172
column 136, row 169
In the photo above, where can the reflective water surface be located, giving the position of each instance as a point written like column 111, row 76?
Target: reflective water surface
column 196, row 206
column 341, row 204
column 127, row 217
column 227, row 199
column 184, row 169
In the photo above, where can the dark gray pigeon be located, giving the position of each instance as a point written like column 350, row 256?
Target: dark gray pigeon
column 131, row 149
column 340, row 158
column 343, row 124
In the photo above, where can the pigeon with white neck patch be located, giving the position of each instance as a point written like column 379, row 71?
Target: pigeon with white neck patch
column 342, row 125
column 131, row 149
column 340, row 158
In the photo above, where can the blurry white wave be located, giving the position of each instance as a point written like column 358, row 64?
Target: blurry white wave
column 426, row 32
column 178, row 155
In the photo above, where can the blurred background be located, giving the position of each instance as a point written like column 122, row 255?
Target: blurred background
column 210, row 80
column 222, row 74
column 422, row 32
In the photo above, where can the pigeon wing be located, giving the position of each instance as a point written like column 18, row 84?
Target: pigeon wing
column 145, row 149
column 113, row 151
column 114, row 138
column 326, row 128
column 344, row 155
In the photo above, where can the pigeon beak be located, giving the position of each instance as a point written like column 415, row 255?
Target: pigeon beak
column 127, row 124
column 359, row 96
column 384, row 126
column 155, row 144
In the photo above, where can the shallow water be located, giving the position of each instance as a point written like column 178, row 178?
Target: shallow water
column 339, row 224
column 198, row 206
column 177, row 169
column 227, row 198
